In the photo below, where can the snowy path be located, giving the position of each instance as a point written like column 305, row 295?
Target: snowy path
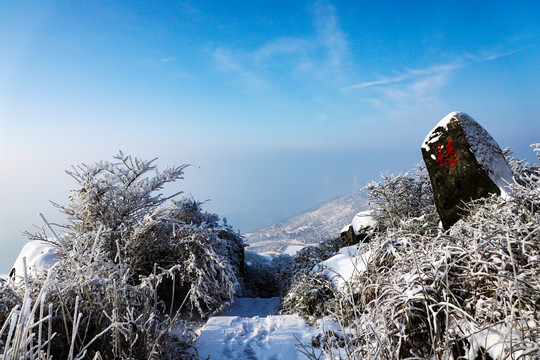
column 251, row 331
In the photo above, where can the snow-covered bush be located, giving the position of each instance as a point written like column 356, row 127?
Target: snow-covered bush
column 469, row 293
column 86, row 307
column 266, row 276
column 310, row 295
column 309, row 256
column 309, row 291
column 404, row 202
column 118, row 203
column 131, row 266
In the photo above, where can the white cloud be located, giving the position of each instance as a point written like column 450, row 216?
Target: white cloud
column 188, row 8
column 319, row 55
column 279, row 47
column 329, row 33
column 409, row 74
column 168, row 59
column 404, row 94
column 228, row 62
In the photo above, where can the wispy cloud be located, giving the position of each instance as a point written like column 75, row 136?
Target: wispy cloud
column 317, row 55
column 408, row 74
column 404, row 94
column 189, row 8
column 329, row 33
column 282, row 46
column 230, row 63
column 167, row 59
column 434, row 70
column 412, row 91
column 490, row 55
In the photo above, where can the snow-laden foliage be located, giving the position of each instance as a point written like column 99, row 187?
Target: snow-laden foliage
column 310, row 292
column 469, row 293
column 120, row 204
column 404, row 202
column 309, row 295
column 131, row 267
column 88, row 307
column 266, row 276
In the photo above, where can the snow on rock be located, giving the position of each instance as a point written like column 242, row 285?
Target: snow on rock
column 363, row 224
column 39, row 257
column 341, row 267
column 363, row 221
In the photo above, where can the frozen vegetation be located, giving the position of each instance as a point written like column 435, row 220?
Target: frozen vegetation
column 135, row 275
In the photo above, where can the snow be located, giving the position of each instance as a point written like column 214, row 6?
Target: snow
column 363, row 220
column 349, row 250
column 249, row 329
column 496, row 341
column 341, row 267
column 243, row 336
column 291, row 250
column 39, row 257
column 485, row 149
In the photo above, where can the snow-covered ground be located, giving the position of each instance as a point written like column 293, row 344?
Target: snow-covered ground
column 251, row 331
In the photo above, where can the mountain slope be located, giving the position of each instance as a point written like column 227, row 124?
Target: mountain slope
column 322, row 222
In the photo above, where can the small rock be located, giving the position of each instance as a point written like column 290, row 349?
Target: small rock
column 360, row 230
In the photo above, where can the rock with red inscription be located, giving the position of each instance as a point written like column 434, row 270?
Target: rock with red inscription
column 464, row 164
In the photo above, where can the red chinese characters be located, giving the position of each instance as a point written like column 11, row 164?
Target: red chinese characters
column 446, row 155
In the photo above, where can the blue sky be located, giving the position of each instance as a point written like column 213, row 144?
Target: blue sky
column 278, row 103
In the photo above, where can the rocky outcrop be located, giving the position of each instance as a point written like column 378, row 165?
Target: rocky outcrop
column 360, row 230
column 464, row 163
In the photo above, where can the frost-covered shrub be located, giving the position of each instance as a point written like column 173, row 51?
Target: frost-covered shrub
column 8, row 300
column 310, row 295
column 404, row 202
column 469, row 293
column 116, row 196
column 208, row 257
column 118, row 203
column 309, row 256
column 87, row 307
column 131, row 267
column 264, row 276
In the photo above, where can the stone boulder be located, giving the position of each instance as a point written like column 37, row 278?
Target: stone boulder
column 464, row 163
column 360, row 230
